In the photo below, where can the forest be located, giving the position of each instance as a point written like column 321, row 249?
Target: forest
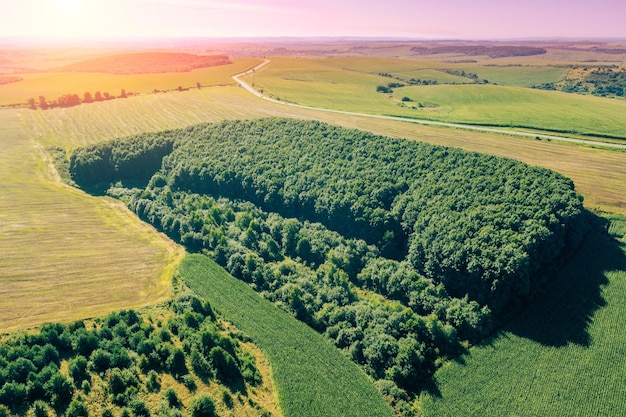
column 402, row 253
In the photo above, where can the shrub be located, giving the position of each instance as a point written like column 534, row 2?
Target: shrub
column 77, row 368
column 77, row 409
column 139, row 408
column 153, row 383
column 202, row 406
column 171, row 398
column 176, row 363
column 40, row 409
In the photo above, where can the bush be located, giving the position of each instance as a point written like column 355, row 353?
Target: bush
column 139, row 408
column 176, row 363
column 40, row 409
column 202, row 406
column 77, row 368
column 224, row 365
column 153, row 383
column 77, row 409
column 171, row 398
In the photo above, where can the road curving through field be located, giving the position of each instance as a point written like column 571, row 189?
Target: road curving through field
column 477, row 128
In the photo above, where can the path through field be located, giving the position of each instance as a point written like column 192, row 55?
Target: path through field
column 64, row 254
column 472, row 127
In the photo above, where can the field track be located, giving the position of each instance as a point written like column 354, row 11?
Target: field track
column 512, row 132
column 67, row 255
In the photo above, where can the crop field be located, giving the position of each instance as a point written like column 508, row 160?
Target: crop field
column 519, row 76
column 53, row 85
column 337, row 84
column 598, row 174
column 65, row 254
column 563, row 356
column 312, row 377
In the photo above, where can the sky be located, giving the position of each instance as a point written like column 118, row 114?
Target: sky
column 438, row 19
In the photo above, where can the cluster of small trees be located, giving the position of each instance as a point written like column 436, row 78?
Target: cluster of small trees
column 70, row 100
column 604, row 81
column 124, row 354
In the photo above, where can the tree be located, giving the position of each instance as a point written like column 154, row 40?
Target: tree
column 176, row 363
column 87, row 98
column 123, row 94
column 31, row 103
column 98, row 96
column 43, row 104
column 77, row 368
column 202, row 406
column 59, row 389
column 224, row 364
column 77, row 409
column 171, row 398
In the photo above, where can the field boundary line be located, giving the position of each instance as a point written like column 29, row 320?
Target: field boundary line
column 477, row 128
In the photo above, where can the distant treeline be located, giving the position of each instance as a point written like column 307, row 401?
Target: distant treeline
column 71, row 100
column 492, row 51
column 604, row 81
column 9, row 79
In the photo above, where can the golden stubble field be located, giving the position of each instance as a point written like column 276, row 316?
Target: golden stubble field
column 66, row 254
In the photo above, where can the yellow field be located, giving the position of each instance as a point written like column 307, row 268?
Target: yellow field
column 67, row 255
column 53, row 85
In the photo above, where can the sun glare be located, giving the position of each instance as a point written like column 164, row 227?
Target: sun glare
column 70, row 6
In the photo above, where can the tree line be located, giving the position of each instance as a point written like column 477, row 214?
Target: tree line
column 70, row 100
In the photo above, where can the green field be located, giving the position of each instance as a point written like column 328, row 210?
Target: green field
column 351, row 85
column 515, row 106
column 311, row 376
column 55, row 84
column 520, row 76
column 565, row 355
column 65, row 254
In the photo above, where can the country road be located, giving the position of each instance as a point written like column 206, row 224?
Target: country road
column 249, row 88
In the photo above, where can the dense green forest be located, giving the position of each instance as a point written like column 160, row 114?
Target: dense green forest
column 117, row 365
column 402, row 253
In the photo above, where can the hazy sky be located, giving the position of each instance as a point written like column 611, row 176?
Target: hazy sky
column 483, row 19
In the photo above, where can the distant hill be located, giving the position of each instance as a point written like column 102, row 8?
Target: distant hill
column 492, row 51
column 146, row 62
